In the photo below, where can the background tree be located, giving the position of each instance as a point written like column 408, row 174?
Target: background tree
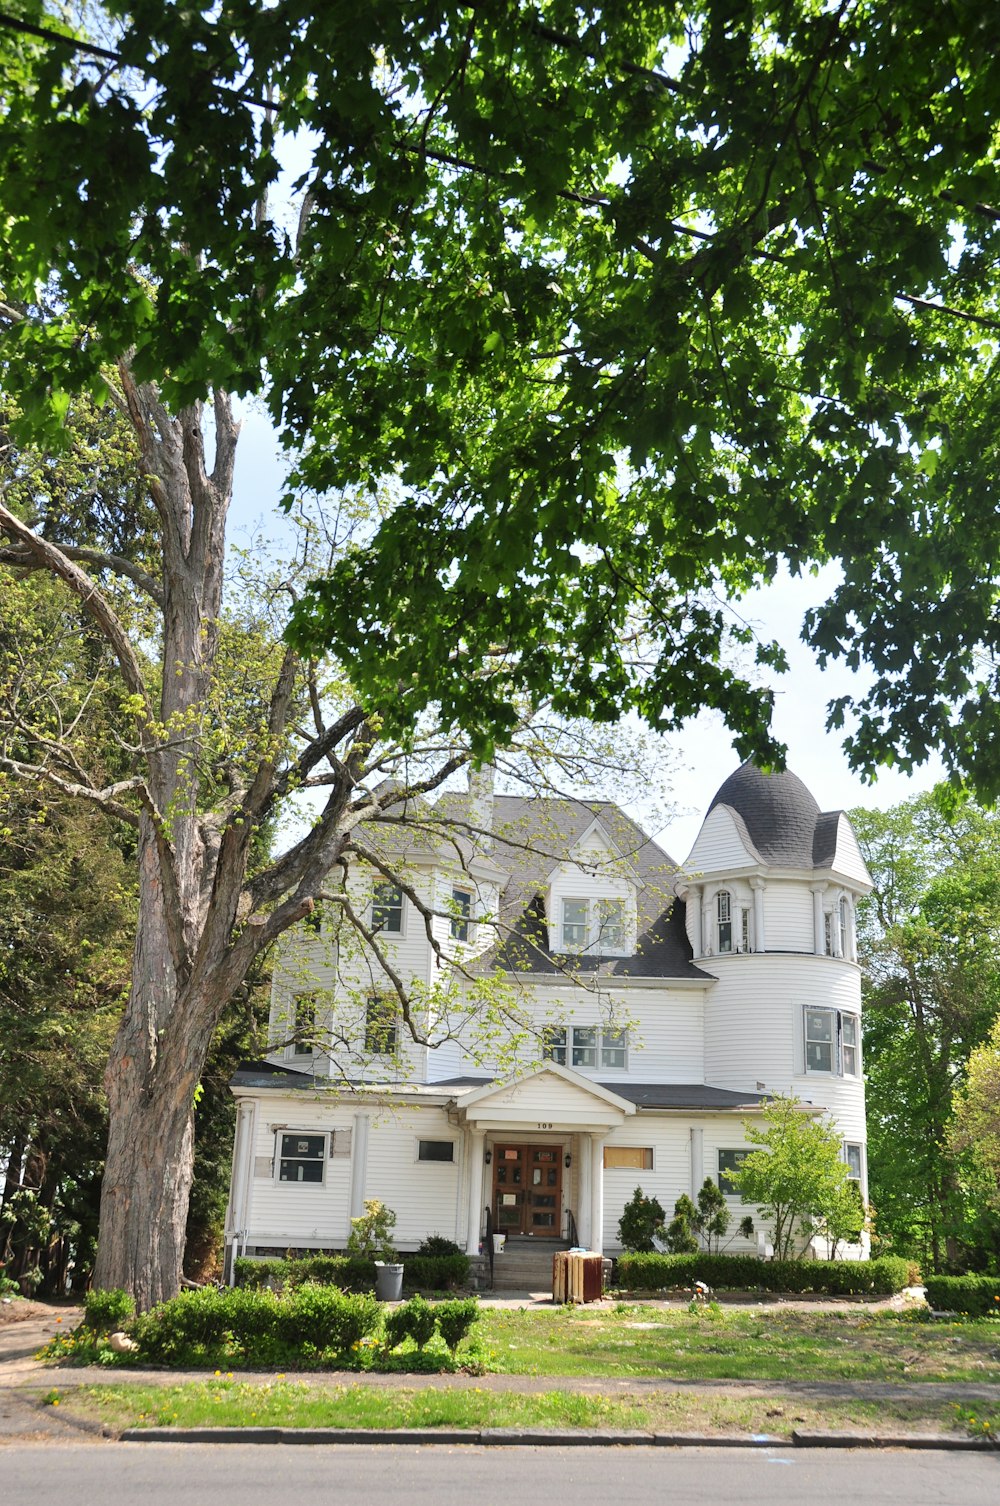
column 797, row 1178
column 975, row 1128
column 635, row 305
column 928, row 942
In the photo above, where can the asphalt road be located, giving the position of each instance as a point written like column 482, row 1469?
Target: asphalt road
column 121, row 1474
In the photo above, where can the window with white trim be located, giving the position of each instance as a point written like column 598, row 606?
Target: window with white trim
column 587, row 1047
column 301, row 1156
column 730, row 1161
column 744, row 929
column 628, row 1158
column 853, row 1155
column 303, row 1025
column 435, row 1150
column 387, row 908
column 600, row 927
column 381, row 1025
column 724, row 919
column 832, row 1042
column 461, row 914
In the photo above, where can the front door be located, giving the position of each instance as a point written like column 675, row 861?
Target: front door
column 527, row 1190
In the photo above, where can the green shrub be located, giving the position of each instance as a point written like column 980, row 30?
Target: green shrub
column 455, row 1320
column 106, row 1312
column 350, row 1272
column 327, row 1318
column 978, row 1295
column 196, row 1324
column 890, row 1273
column 411, row 1320
column 435, row 1273
column 437, row 1244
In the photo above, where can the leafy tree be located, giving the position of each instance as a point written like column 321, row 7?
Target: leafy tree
column 975, row 1128
column 713, row 1213
column 928, row 942
column 635, row 305
column 681, row 1229
column 797, row 1177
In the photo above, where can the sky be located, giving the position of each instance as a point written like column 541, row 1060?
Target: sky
column 703, row 752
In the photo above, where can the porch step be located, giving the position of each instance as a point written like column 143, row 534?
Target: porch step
column 526, row 1267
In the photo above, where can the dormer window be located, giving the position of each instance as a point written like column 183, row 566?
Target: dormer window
column 599, row 927
column 724, row 919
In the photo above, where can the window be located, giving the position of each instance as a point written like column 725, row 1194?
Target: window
column 828, row 933
column 614, row 1050
column 610, row 940
column 435, row 1150
column 461, row 911
column 387, row 908
column 724, row 916
column 584, row 1045
column 554, row 1044
column 301, row 1157
column 745, row 930
column 587, row 1046
column 842, row 927
column 380, row 1025
column 833, row 1042
column 730, row 1161
column 304, row 1025
column 574, row 924
column 628, row 1157
column 852, row 1155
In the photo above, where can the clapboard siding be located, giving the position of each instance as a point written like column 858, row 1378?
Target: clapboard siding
column 719, row 847
column 424, row 1195
column 286, row 1213
column 849, row 860
column 670, row 1141
column 788, row 916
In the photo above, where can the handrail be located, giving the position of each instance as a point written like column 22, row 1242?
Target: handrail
column 489, row 1240
column 571, row 1233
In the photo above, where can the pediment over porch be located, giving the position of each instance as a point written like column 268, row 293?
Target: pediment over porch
column 551, row 1099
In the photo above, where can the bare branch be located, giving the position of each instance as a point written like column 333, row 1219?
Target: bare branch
column 106, row 799
column 21, row 558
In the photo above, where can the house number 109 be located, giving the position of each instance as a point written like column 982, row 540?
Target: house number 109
column 543, row 1126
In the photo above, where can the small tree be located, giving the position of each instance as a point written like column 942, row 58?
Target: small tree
column 371, row 1233
column 681, row 1229
column 642, row 1218
column 797, row 1177
column 713, row 1214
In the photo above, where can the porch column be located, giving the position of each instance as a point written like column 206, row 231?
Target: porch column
column 596, row 1243
column 477, row 1141
column 584, row 1183
column 697, row 1161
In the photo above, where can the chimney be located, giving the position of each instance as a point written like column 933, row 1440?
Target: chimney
column 481, row 805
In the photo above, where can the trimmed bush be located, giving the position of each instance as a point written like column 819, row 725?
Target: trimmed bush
column 435, row 1273
column 977, row 1295
column 879, row 1277
column 455, row 1320
column 106, row 1312
column 327, row 1318
column 411, row 1320
column 437, row 1244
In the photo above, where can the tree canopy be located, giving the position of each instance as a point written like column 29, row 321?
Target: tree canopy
column 633, row 302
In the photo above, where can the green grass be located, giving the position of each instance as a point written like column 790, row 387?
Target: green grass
column 228, row 1402
column 736, row 1344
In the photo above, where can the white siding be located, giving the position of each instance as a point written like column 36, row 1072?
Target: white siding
column 788, row 916
column 294, row 1214
column 848, row 860
column 671, row 1174
column 719, row 846
column 424, row 1195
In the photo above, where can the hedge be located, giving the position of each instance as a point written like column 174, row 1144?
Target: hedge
column 890, row 1273
column 978, row 1295
column 433, row 1273
column 255, row 1326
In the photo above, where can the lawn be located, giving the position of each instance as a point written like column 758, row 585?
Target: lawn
column 716, row 1343
column 227, row 1401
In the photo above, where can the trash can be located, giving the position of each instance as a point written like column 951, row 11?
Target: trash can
column 388, row 1281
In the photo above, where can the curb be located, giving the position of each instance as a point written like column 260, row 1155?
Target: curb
column 554, row 1438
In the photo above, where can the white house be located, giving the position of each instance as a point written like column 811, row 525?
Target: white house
column 641, row 1013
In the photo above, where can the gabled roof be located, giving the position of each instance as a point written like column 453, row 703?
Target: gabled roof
column 534, row 837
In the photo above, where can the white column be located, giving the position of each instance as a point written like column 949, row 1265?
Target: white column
column 697, row 1160
column 852, row 930
column 359, row 1165
column 596, row 1242
column 708, row 930
column 819, row 922
column 477, row 1143
column 759, row 939
column 583, row 1180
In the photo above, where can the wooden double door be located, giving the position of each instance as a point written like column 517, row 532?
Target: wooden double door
column 527, row 1190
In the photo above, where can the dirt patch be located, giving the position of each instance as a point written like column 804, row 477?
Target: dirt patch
column 20, row 1309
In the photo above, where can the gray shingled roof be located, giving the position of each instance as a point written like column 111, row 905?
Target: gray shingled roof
column 531, row 838
column 781, row 817
column 652, row 1095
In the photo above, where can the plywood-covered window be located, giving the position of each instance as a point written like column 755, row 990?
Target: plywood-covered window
column 628, row 1158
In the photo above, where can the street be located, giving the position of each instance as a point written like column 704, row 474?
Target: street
column 110, row 1474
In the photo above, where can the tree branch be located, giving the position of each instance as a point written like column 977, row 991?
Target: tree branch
column 21, row 558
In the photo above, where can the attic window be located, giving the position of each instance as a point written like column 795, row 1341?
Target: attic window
column 387, row 908
column 599, row 927
column 461, row 911
column 574, row 924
